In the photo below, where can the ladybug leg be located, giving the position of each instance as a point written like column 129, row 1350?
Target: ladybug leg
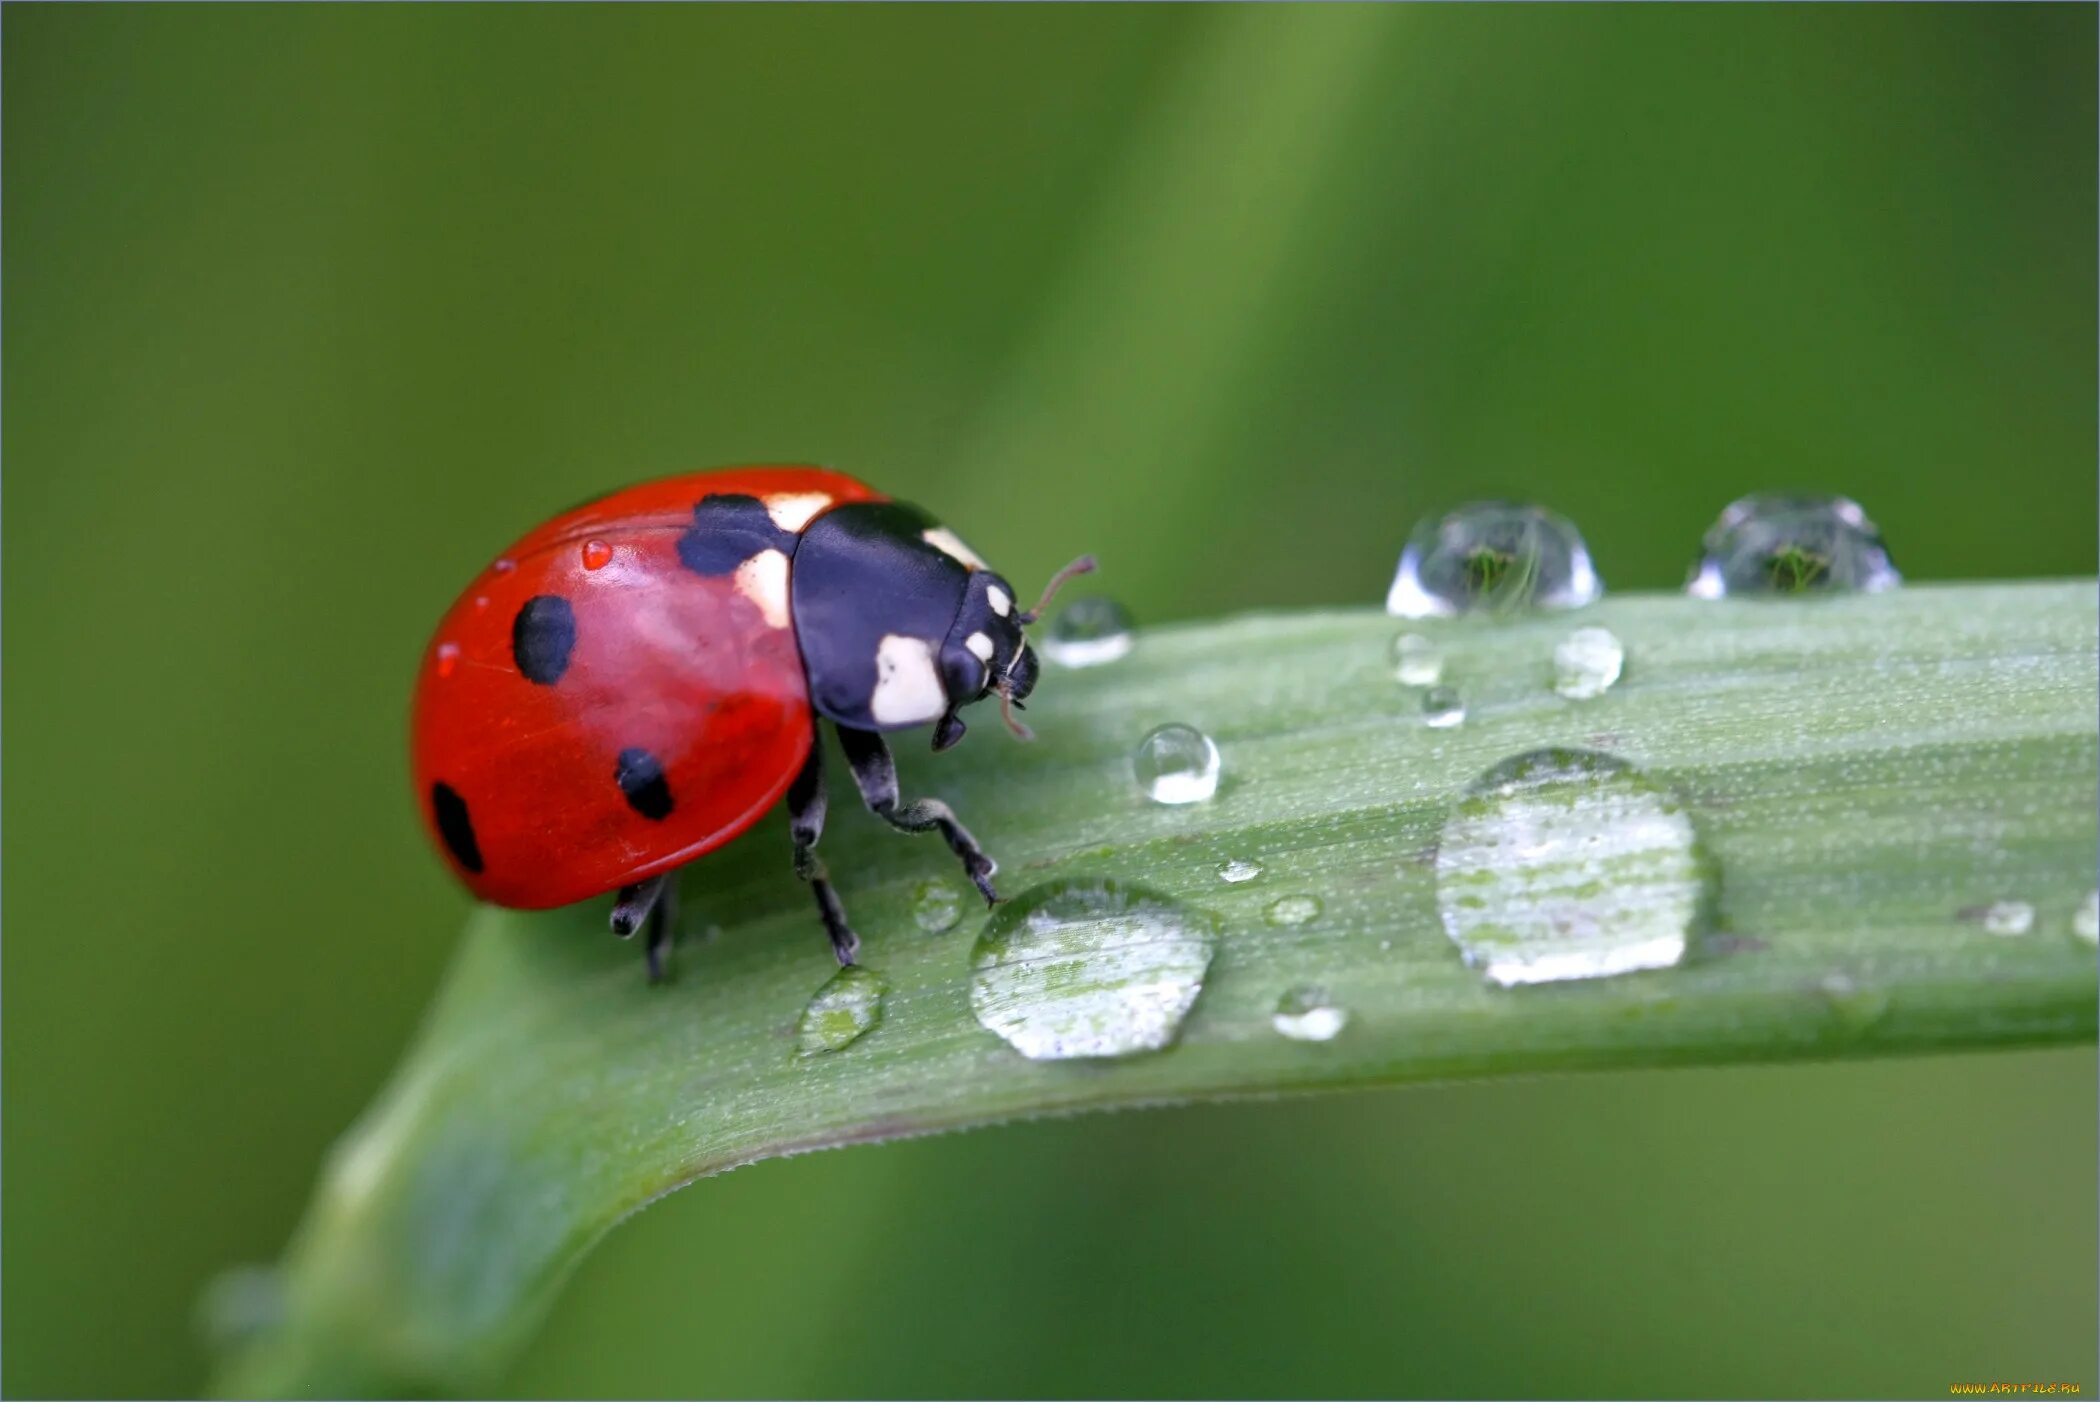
column 806, row 805
column 653, row 903
column 876, row 774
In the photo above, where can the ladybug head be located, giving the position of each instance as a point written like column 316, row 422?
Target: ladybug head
column 986, row 653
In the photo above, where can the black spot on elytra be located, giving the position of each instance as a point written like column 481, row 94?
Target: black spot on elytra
column 542, row 637
column 641, row 777
column 455, row 826
column 728, row 529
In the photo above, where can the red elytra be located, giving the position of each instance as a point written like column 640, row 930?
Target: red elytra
column 691, row 672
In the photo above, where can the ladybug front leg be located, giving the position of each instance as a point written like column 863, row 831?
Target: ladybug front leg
column 876, row 774
column 655, row 902
column 806, row 824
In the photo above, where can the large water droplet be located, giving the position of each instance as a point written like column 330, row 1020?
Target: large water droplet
column 596, row 554
column 1081, row 969
column 936, row 906
column 1176, row 764
column 1566, row 864
column 447, row 658
column 1586, row 663
column 1776, row 543
column 1855, row 1007
column 1443, row 708
column 1293, row 910
column 1232, row 873
column 1417, row 661
column 1308, row 1015
column 1088, row 632
column 2007, row 918
column 2085, row 921
column 843, row 1011
column 1493, row 555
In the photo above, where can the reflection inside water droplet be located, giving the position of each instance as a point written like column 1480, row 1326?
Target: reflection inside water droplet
column 1586, row 663
column 1568, row 864
column 1443, row 708
column 1088, row 632
column 1307, row 1014
column 843, row 1011
column 1493, row 555
column 1780, row 543
column 596, row 554
column 1089, row 969
column 1176, row 764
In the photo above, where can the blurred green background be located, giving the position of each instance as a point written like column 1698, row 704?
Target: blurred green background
column 310, row 309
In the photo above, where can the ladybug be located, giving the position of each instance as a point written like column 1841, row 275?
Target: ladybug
column 639, row 680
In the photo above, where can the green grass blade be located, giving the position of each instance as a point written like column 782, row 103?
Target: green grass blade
column 1867, row 775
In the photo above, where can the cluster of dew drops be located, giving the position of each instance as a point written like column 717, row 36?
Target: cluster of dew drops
column 1553, row 865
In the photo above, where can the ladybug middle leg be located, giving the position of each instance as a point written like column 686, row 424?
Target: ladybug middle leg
column 806, row 805
column 876, row 774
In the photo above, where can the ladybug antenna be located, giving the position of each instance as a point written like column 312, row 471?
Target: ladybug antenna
column 1007, row 706
column 1085, row 564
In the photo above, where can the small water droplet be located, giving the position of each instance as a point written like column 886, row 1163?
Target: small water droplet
column 1781, row 543
column 1308, row 1015
column 239, row 1304
column 1293, row 910
column 843, row 1011
column 1442, row 708
column 1176, row 764
column 1084, row 969
column 481, row 603
column 1417, row 661
column 1586, row 663
column 1385, row 946
column 505, row 565
column 1493, row 555
column 447, row 658
column 2085, row 921
column 2006, row 917
column 1234, row 872
column 596, row 554
column 1088, row 632
column 936, row 905
column 1567, row 864
column 1855, row 1008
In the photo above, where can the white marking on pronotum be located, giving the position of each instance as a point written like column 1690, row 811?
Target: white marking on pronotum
column 791, row 510
column 763, row 579
column 907, row 684
column 979, row 644
column 1002, row 602
column 949, row 544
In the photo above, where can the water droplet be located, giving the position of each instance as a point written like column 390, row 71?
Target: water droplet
column 1493, row 555
column 481, row 603
column 504, row 566
column 843, row 1011
column 1777, row 543
column 240, row 1304
column 1586, row 663
column 2006, row 917
column 596, row 554
column 1293, row 910
column 447, row 658
column 1088, row 632
column 1308, row 1015
column 1442, row 708
column 1176, row 764
column 1416, row 660
column 1855, row 1008
column 1385, row 946
column 936, row 905
column 1566, row 864
column 1079, row 969
column 1236, row 871
column 2085, row 921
